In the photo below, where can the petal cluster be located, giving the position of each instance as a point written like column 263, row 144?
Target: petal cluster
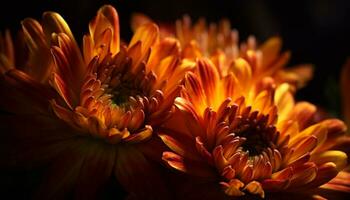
column 179, row 112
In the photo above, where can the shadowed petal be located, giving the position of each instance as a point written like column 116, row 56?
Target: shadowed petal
column 345, row 82
column 138, row 175
column 96, row 170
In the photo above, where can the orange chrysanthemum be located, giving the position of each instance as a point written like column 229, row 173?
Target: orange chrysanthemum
column 30, row 52
column 221, row 44
column 249, row 142
column 110, row 97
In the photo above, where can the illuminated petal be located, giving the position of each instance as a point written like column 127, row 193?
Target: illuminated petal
column 339, row 183
column 180, row 144
column 242, row 71
column 339, row 158
column 303, row 112
column 283, row 100
column 233, row 187
column 192, row 51
column 270, row 50
column 303, row 174
column 315, row 130
column 63, row 90
column 303, row 146
column 147, row 35
column 54, row 23
column 143, row 135
column 325, row 172
column 166, row 47
column 263, row 101
column 106, row 19
column 255, row 187
column 189, row 166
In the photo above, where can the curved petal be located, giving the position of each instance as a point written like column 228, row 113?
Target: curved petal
column 54, row 23
column 270, row 50
column 339, row 158
column 140, row 136
column 146, row 35
column 284, row 101
column 40, row 59
column 107, row 18
column 196, row 168
column 340, row 183
column 303, row 113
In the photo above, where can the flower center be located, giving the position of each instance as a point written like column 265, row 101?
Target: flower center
column 259, row 136
column 124, row 91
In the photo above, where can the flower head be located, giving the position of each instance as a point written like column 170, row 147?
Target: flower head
column 108, row 98
column 250, row 142
column 119, row 92
column 220, row 43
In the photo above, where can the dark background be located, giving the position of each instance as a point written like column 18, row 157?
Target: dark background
column 316, row 32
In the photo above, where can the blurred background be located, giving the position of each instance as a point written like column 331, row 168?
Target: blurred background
column 316, row 32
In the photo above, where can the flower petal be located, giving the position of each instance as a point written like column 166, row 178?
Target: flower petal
column 40, row 59
column 96, row 169
column 54, row 23
column 139, row 175
column 180, row 144
column 147, row 34
column 255, row 187
column 339, row 158
column 140, row 136
column 107, row 17
column 196, row 168
column 61, row 176
column 303, row 113
column 284, row 101
column 340, row 183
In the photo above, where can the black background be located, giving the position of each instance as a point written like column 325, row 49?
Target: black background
column 316, row 32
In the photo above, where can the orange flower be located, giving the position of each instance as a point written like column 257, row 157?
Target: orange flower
column 110, row 97
column 249, row 143
column 31, row 51
column 221, row 44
